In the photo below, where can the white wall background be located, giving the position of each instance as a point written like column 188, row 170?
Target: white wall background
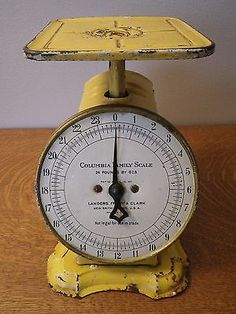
column 43, row 94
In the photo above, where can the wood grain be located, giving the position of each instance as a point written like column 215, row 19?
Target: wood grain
column 209, row 239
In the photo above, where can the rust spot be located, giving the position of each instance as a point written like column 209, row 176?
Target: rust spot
column 59, row 277
column 173, row 261
column 146, row 51
column 132, row 287
column 160, row 274
column 65, row 254
column 77, row 283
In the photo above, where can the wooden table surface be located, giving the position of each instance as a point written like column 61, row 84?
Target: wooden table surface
column 209, row 240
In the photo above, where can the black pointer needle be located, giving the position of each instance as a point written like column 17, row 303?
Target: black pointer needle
column 116, row 189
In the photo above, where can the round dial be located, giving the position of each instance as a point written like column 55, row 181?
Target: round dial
column 117, row 183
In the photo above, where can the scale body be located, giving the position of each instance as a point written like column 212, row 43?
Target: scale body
column 118, row 106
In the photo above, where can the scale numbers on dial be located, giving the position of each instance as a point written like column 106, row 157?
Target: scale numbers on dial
column 154, row 167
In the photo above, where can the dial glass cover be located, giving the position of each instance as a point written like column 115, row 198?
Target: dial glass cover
column 154, row 167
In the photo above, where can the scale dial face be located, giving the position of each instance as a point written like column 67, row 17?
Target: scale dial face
column 117, row 184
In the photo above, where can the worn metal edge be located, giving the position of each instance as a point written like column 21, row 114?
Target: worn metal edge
column 142, row 54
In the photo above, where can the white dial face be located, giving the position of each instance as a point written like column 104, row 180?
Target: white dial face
column 117, row 185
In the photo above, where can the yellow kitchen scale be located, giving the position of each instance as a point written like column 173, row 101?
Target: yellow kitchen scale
column 117, row 183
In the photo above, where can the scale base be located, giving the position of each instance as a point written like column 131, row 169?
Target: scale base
column 75, row 276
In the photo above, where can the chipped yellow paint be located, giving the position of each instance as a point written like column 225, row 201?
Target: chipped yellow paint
column 118, row 38
column 165, row 279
